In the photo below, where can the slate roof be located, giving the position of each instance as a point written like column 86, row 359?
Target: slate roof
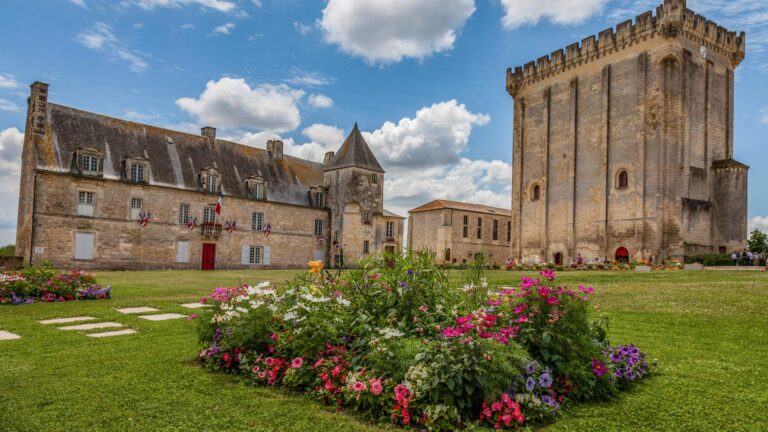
column 456, row 205
column 388, row 213
column 354, row 153
column 175, row 158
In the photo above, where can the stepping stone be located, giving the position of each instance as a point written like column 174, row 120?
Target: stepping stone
column 92, row 326
column 67, row 320
column 162, row 317
column 112, row 333
column 195, row 305
column 4, row 335
column 137, row 310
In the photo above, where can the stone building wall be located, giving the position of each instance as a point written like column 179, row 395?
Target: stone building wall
column 120, row 243
column 653, row 98
column 440, row 230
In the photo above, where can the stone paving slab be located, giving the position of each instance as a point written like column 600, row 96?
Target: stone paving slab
column 4, row 335
column 112, row 333
column 67, row 320
column 162, row 317
column 137, row 310
column 195, row 305
column 93, row 326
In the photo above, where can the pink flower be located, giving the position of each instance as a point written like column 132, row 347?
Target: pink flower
column 193, row 316
column 544, row 291
column 549, row 274
column 465, row 319
column 402, row 392
column 598, row 368
column 376, row 387
column 318, row 363
column 520, row 308
column 522, row 319
column 528, row 283
column 423, row 308
column 496, row 406
column 552, row 300
column 297, row 362
column 336, row 371
column 269, row 361
column 359, row 386
column 586, row 290
column 494, row 302
column 328, row 385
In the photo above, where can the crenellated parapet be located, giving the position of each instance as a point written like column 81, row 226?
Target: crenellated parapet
column 671, row 20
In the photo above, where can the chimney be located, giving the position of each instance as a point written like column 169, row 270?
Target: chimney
column 38, row 107
column 328, row 157
column 275, row 149
column 208, row 132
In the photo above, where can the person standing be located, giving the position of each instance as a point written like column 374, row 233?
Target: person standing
column 744, row 257
column 735, row 258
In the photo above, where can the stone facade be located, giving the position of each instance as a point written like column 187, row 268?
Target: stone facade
column 77, row 212
column 456, row 231
column 623, row 144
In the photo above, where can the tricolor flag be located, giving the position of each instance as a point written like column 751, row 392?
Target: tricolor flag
column 267, row 230
column 192, row 224
column 218, row 204
column 143, row 219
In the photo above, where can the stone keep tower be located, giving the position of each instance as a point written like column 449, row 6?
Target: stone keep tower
column 623, row 144
column 354, row 180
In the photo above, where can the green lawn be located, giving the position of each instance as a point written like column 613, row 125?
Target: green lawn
column 708, row 330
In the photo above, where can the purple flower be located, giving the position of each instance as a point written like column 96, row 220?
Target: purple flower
column 409, row 272
column 530, row 384
column 545, row 379
column 549, row 400
column 531, row 368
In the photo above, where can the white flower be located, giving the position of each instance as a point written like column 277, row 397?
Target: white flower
column 312, row 299
column 241, row 310
column 484, row 283
column 469, row 287
column 290, row 316
column 342, row 301
column 388, row 332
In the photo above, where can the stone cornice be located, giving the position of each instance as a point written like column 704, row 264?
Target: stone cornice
column 672, row 20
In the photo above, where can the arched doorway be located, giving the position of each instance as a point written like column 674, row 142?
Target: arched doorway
column 622, row 255
column 558, row 259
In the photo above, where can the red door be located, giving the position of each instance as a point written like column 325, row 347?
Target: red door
column 209, row 257
column 622, row 255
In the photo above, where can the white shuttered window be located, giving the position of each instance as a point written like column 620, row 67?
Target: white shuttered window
column 84, row 246
column 182, row 251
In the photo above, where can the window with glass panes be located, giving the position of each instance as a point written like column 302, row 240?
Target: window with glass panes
column 366, row 217
column 319, row 199
column 318, row 227
column 495, row 229
column 137, row 173
column 255, row 255
column 136, row 203
column 89, row 164
column 465, row 231
column 258, row 190
column 390, row 229
column 210, row 183
column 257, row 221
column 479, row 228
column 509, row 231
column 209, row 214
column 85, row 198
column 183, row 213
column 366, row 247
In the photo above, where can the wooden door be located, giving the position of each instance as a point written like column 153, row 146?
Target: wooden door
column 209, row 257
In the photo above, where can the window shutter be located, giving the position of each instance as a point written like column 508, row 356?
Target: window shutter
column 267, row 255
column 182, row 255
column 84, row 246
column 245, row 255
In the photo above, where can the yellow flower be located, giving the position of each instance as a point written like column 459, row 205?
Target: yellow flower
column 316, row 266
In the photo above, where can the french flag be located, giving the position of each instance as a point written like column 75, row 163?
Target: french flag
column 218, row 204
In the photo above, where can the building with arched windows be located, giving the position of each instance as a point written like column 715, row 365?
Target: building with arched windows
column 104, row 193
column 623, row 143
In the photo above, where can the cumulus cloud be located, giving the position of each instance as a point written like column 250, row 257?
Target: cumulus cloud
column 101, row 38
column 224, row 29
column 8, row 81
column 436, row 136
column 232, row 103
column 6, row 105
column 11, row 143
column 303, row 78
column 320, row 101
column 763, row 115
column 389, row 30
column 759, row 223
column 322, row 139
column 521, row 12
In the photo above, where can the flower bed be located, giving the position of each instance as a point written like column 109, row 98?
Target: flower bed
column 391, row 341
column 48, row 285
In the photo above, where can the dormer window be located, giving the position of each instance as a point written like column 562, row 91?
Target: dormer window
column 137, row 173
column 209, row 180
column 374, row 178
column 256, row 187
column 317, row 196
column 89, row 165
column 366, row 217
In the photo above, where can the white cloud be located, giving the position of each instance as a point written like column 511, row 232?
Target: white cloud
column 521, row 12
column 80, row 3
column 304, row 78
column 322, row 138
column 303, row 29
column 101, row 38
column 232, row 103
column 6, row 105
column 11, row 143
column 218, row 5
column 187, row 26
column 390, row 30
column 8, row 81
column 224, row 29
column 435, row 137
column 320, row 101
column 760, row 223
column 763, row 115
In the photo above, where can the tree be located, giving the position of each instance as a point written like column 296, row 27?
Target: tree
column 758, row 242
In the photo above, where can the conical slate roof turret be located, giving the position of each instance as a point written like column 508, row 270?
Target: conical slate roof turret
column 354, row 153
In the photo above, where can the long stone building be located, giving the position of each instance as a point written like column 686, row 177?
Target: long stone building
column 455, row 231
column 103, row 193
column 623, row 143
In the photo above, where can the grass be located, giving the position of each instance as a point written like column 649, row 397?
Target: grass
column 708, row 330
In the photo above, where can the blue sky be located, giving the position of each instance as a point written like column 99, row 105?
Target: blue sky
column 423, row 78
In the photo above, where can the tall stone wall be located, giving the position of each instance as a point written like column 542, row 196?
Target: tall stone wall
column 654, row 99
